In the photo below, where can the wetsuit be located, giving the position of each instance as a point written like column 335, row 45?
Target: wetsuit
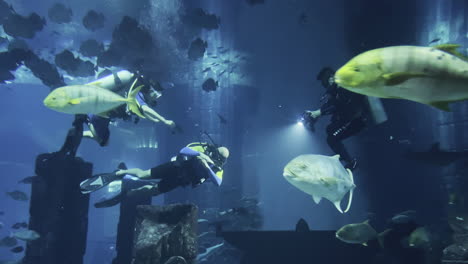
column 74, row 136
column 347, row 118
column 101, row 127
column 186, row 169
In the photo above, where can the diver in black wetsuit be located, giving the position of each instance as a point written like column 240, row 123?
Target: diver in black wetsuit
column 347, row 112
column 74, row 136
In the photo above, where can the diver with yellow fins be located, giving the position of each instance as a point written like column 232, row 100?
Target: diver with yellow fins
column 194, row 164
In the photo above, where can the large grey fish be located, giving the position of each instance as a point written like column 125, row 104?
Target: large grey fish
column 434, row 76
column 359, row 233
column 321, row 177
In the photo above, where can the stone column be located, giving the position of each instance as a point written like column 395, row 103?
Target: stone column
column 58, row 210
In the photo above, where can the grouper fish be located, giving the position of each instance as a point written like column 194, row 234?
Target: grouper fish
column 321, row 177
column 89, row 99
column 433, row 76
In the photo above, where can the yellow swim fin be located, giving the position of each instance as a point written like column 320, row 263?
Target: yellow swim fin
column 400, row 77
column 132, row 103
column 452, row 49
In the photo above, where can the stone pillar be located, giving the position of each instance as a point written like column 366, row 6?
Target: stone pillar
column 58, row 210
column 126, row 226
column 165, row 232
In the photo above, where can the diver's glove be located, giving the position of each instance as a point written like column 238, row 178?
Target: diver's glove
column 313, row 114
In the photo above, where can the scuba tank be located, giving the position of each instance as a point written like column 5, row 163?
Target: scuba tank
column 115, row 81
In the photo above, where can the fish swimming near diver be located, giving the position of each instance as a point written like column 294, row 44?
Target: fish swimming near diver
column 8, row 241
column 321, row 177
column 419, row 238
column 434, row 76
column 17, row 249
column 403, row 217
column 26, row 235
column 29, row 179
column 359, row 233
column 19, row 225
column 222, row 119
column 89, row 99
column 18, row 195
column 436, row 156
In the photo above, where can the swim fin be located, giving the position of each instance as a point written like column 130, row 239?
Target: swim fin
column 98, row 181
column 110, row 201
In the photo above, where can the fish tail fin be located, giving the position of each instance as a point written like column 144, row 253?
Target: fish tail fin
column 350, row 199
column 381, row 237
column 132, row 102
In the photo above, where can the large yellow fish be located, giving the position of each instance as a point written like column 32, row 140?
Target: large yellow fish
column 434, row 76
column 89, row 99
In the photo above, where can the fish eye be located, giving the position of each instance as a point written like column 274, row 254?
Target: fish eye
column 356, row 69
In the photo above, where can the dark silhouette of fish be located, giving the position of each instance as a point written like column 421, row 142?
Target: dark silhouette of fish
column 222, row 119
column 29, row 180
column 436, row 156
column 434, row 40
column 18, row 249
column 18, row 195
column 20, row 225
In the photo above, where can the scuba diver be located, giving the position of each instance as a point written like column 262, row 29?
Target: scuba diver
column 121, row 82
column 348, row 115
column 193, row 165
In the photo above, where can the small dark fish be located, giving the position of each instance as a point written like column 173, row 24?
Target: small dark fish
column 8, row 241
column 223, row 72
column 2, row 213
column 226, row 61
column 214, row 56
column 222, row 119
column 434, row 40
column 18, row 249
column 20, row 225
column 404, row 217
column 29, row 180
column 207, row 69
column 18, row 195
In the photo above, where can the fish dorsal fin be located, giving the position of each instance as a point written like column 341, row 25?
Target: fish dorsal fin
column 338, row 206
column 350, row 199
column 337, row 157
column 452, row 49
column 444, row 106
column 317, row 199
column 396, row 78
column 366, row 222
